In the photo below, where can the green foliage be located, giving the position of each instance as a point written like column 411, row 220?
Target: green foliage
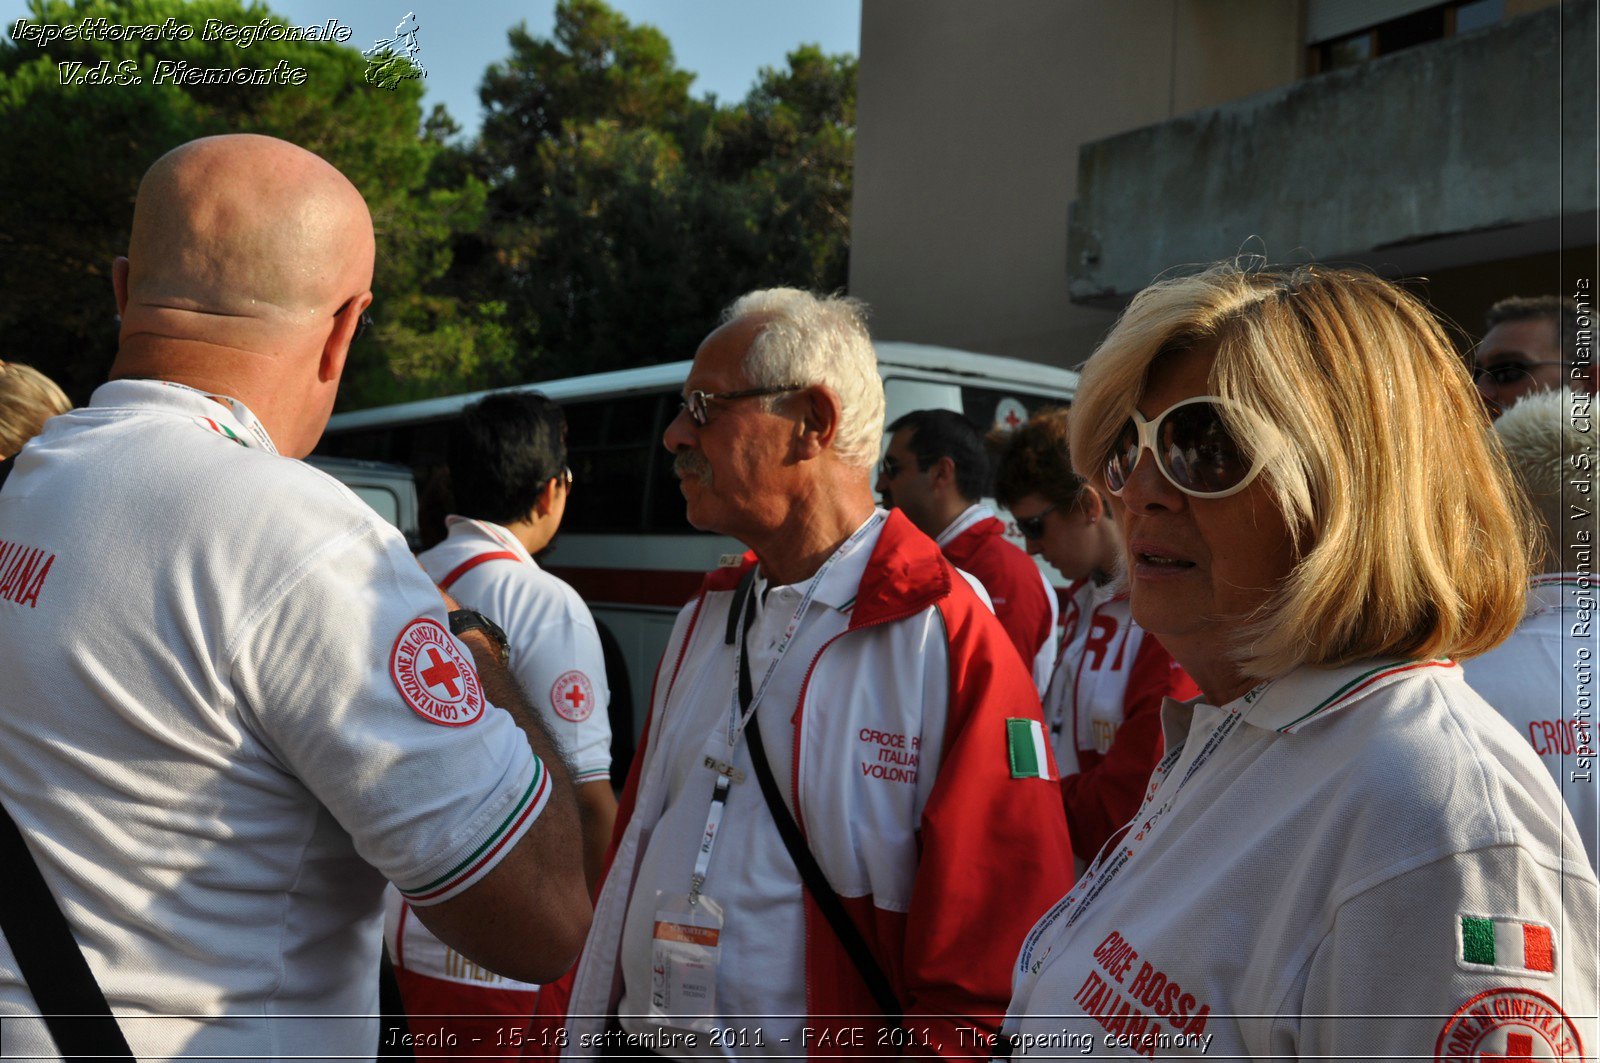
column 626, row 214
column 602, row 218
column 67, row 201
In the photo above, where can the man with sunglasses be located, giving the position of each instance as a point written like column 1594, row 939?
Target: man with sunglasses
column 1531, row 345
column 1102, row 704
column 511, row 482
column 233, row 704
column 936, row 471
column 843, row 810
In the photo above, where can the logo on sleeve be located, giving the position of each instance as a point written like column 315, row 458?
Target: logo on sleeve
column 1506, row 945
column 434, row 676
column 572, row 696
column 1508, row 1024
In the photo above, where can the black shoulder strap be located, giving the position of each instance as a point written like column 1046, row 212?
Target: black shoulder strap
column 70, row 1001
column 827, row 900
column 810, row 873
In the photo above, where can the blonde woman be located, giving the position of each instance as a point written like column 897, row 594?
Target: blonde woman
column 1344, row 853
column 28, row 398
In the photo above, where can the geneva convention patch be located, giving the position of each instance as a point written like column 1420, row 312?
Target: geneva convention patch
column 436, row 679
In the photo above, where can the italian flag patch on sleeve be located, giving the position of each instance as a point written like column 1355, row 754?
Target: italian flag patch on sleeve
column 1025, row 748
column 1504, row 944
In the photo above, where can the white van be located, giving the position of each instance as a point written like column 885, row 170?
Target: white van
column 625, row 544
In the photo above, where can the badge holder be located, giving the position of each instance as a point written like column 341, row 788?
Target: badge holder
column 685, row 950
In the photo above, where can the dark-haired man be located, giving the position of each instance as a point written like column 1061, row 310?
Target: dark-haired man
column 509, row 474
column 1531, row 345
column 936, row 472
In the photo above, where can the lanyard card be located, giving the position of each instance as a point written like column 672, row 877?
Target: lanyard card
column 685, row 950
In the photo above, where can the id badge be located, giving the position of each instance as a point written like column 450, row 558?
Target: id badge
column 685, row 950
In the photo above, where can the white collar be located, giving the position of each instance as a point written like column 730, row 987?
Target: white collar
column 473, row 528
column 218, row 414
column 838, row 590
column 969, row 516
column 1291, row 701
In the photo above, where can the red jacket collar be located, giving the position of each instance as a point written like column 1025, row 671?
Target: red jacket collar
column 961, row 549
column 905, row 574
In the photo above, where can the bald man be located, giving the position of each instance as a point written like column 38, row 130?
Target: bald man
column 233, row 705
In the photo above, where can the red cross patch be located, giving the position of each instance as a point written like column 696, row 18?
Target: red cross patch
column 572, row 696
column 1512, row 1025
column 433, row 675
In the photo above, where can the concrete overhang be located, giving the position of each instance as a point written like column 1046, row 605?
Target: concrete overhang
column 1465, row 150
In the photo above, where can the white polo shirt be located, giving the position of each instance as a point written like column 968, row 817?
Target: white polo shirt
column 1351, row 863
column 1541, row 680
column 231, row 709
column 555, row 648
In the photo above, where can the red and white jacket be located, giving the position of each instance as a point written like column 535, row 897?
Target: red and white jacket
column 1103, row 711
column 1023, row 599
column 944, row 897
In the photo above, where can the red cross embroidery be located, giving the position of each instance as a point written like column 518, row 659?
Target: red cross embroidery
column 1012, row 420
column 442, row 671
column 575, row 695
column 1519, row 1049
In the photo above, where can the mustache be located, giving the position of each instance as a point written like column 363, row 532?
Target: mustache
column 691, row 463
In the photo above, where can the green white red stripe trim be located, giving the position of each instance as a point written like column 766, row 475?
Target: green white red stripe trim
column 222, row 430
column 1363, row 683
column 1564, row 579
column 1026, row 749
column 482, row 859
column 1502, row 943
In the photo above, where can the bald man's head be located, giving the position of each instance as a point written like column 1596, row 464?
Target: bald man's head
column 247, row 226
column 249, row 261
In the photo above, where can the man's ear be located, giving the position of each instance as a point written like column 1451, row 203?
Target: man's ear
column 336, row 348
column 545, row 501
column 119, row 282
column 943, row 472
column 820, row 421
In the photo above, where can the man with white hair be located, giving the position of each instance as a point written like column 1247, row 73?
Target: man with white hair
column 233, row 704
column 1542, row 678
column 843, row 674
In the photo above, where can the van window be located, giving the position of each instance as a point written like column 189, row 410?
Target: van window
column 622, row 476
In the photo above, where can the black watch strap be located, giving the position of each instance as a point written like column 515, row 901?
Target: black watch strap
column 465, row 620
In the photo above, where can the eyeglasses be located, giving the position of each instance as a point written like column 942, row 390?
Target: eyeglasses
column 1505, row 374
column 1192, row 447
column 695, row 402
column 1033, row 527
column 889, row 467
column 565, row 476
column 363, row 322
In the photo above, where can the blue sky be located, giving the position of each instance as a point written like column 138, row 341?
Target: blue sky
column 724, row 42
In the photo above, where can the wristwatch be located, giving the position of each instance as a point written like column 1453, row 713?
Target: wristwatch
column 465, row 620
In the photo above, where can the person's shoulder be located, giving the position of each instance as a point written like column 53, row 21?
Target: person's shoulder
column 1434, row 756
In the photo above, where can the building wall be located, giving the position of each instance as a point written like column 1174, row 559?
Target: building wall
column 969, row 120
column 972, row 115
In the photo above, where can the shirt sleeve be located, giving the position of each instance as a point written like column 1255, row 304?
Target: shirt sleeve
column 1489, row 954
column 349, row 676
column 558, row 662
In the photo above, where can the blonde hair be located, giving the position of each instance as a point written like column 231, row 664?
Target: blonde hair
column 1411, row 538
column 28, row 398
column 1549, row 438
